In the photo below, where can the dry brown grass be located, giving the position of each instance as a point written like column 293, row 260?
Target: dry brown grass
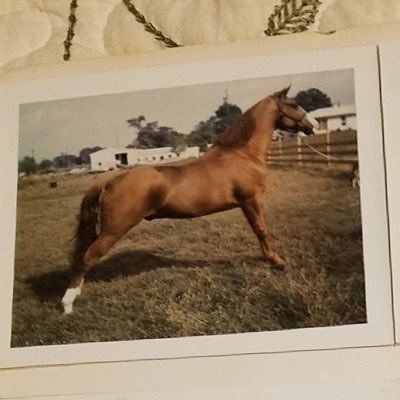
column 204, row 276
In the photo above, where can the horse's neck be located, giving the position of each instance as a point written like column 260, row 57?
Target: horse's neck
column 261, row 138
column 252, row 135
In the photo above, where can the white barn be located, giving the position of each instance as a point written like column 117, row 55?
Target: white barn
column 335, row 118
column 111, row 157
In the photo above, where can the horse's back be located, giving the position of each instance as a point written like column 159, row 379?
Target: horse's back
column 209, row 184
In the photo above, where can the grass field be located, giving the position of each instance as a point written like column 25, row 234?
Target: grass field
column 205, row 276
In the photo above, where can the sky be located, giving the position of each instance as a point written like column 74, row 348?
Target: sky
column 50, row 128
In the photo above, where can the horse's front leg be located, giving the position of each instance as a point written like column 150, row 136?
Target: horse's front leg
column 253, row 210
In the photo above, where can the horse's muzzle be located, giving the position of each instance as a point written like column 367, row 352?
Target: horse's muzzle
column 308, row 125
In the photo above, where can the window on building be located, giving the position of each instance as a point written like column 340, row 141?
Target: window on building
column 323, row 124
column 122, row 158
column 343, row 119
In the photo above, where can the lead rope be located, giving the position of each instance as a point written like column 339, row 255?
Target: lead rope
column 318, row 152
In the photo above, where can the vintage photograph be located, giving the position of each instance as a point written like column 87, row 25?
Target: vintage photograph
column 206, row 209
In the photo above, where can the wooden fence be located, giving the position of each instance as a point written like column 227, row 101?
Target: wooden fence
column 329, row 148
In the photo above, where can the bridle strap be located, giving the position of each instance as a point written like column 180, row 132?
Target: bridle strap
column 297, row 120
column 285, row 114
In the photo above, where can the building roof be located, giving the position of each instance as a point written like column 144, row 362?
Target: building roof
column 138, row 152
column 133, row 150
column 335, row 111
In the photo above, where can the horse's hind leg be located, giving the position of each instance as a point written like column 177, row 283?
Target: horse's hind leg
column 253, row 210
column 81, row 267
column 119, row 206
column 112, row 230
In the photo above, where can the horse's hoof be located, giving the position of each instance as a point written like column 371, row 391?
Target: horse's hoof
column 68, row 309
column 279, row 267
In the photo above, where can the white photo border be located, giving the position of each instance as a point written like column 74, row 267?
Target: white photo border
column 379, row 328
column 389, row 66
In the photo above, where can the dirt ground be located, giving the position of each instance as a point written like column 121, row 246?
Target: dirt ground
column 205, row 276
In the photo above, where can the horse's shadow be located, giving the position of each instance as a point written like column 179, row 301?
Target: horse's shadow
column 52, row 285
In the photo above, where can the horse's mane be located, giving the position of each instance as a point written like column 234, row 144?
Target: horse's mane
column 237, row 134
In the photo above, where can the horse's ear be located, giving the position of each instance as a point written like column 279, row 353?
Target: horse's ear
column 283, row 93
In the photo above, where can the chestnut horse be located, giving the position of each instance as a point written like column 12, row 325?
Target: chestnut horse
column 232, row 173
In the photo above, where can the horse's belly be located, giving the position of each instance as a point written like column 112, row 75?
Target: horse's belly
column 190, row 211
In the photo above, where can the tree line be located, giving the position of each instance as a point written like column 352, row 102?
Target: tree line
column 29, row 166
column 152, row 135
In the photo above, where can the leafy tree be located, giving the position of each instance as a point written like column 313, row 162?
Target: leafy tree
column 226, row 115
column 150, row 135
column 312, row 99
column 45, row 165
column 178, row 142
column 136, row 122
column 28, row 165
column 205, row 131
column 84, row 154
column 66, row 160
column 203, row 134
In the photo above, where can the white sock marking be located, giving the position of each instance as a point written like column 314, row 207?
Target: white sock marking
column 69, row 298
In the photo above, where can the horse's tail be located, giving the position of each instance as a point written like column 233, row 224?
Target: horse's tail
column 89, row 222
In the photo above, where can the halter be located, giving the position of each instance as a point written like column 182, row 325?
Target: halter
column 297, row 120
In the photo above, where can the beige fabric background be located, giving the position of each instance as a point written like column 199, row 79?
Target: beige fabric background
column 33, row 31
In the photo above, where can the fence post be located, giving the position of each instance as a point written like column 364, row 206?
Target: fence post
column 299, row 155
column 280, row 148
column 328, row 148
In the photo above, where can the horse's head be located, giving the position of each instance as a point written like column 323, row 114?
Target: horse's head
column 292, row 117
